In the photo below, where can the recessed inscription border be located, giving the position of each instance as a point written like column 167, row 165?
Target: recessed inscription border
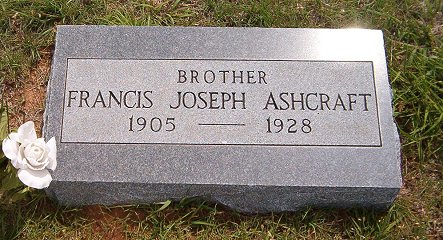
column 225, row 124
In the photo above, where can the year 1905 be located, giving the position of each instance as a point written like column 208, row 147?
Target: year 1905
column 154, row 124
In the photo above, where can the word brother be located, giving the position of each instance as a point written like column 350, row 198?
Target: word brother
column 302, row 101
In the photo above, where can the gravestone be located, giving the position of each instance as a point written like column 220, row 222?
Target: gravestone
column 259, row 120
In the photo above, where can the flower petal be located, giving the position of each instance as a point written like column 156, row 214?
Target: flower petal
column 26, row 133
column 52, row 154
column 10, row 149
column 19, row 163
column 41, row 141
column 14, row 136
column 35, row 179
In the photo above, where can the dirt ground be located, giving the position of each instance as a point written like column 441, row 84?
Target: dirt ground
column 27, row 103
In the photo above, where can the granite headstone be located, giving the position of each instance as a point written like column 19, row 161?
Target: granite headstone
column 256, row 119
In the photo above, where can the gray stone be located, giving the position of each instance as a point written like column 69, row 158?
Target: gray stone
column 269, row 119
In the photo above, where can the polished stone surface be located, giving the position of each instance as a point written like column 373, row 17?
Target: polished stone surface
column 273, row 120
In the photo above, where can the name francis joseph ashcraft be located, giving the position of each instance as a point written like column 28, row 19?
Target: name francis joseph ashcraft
column 312, row 101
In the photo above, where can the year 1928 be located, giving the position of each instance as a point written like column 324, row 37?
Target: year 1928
column 289, row 125
column 154, row 124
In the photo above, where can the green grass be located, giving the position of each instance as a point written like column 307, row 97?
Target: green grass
column 413, row 32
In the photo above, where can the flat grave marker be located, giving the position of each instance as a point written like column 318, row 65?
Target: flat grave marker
column 256, row 119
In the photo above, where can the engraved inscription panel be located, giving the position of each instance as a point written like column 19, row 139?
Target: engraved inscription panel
column 218, row 102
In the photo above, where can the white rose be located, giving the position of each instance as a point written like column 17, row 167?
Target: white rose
column 31, row 155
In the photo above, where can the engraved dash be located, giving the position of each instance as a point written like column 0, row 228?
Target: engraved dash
column 222, row 124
